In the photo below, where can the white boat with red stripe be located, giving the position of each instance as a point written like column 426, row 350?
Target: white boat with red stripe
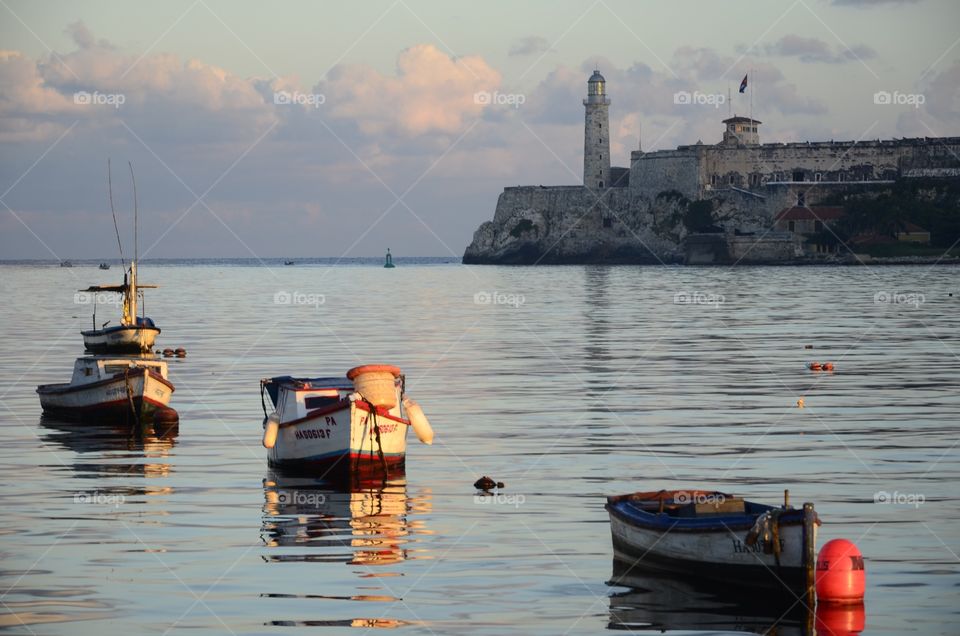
column 109, row 388
column 339, row 427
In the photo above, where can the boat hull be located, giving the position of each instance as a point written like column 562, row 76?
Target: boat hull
column 120, row 339
column 134, row 395
column 342, row 441
column 715, row 548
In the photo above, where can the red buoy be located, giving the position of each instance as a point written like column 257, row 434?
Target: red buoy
column 841, row 578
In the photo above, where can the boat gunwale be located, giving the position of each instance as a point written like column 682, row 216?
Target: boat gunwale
column 639, row 518
column 341, row 406
column 117, row 328
column 67, row 387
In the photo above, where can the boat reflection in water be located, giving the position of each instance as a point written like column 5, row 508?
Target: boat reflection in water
column 369, row 526
column 148, row 442
column 655, row 601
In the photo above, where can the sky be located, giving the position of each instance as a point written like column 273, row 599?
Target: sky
column 329, row 129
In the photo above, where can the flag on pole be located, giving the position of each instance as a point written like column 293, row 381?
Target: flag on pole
column 743, row 84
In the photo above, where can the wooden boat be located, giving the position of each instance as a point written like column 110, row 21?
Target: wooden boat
column 336, row 429
column 716, row 536
column 108, row 388
column 134, row 334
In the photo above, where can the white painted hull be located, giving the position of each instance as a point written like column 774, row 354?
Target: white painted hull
column 146, row 390
column 343, row 438
column 123, row 339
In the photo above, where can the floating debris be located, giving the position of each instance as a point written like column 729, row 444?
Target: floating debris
column 485, row 483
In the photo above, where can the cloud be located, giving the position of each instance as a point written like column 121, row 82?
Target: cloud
column 430, row 92
column 529, row 45
column 813, row 50
column 940, row 113
column 83, row 37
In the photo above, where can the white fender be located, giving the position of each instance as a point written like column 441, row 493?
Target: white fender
column 418, row 421
column 271, row 428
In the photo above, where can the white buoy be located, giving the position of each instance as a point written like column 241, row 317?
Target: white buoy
column 419, row 422
column 270, row 430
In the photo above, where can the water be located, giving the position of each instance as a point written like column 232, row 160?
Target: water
column 572, row 383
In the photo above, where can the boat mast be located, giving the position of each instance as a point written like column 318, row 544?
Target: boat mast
column 131, row 296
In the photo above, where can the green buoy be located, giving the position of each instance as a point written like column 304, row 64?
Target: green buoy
column 389, row 262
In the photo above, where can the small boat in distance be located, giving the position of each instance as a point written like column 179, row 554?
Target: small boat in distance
column 388, row 263
column 716, row 536
column 288, row 262
column 104, row 265
column 134, row 334
column 103, row 387
column 342, row 428
column 66, row 264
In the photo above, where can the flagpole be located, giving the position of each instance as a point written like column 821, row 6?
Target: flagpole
column 751, row 83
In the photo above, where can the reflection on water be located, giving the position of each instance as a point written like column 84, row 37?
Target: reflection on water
column 370, row 525
column 123, row 456
column 656, row 601
column 142, row 442
column 597, row 384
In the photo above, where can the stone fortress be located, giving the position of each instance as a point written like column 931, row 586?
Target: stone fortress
column 635, row 215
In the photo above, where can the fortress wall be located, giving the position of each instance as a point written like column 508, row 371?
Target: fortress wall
column 653, row 173
column 778, row 163
column 835, row 161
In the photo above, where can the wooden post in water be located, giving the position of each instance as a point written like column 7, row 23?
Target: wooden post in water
column 810, row 551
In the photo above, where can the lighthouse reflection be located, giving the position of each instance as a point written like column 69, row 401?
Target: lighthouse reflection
column 368, row 524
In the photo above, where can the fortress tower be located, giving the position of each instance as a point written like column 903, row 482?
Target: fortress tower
column 596, row 134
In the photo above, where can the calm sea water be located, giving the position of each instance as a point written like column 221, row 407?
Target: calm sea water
column 566, row 383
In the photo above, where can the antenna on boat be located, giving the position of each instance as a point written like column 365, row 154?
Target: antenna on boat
column 136, row 245
column 123, row 262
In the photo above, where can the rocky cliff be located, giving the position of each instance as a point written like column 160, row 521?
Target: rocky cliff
column 575, row 225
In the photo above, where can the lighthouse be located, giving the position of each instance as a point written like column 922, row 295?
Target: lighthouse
column 596, row 134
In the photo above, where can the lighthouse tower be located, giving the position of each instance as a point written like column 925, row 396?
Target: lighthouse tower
column 596, row 134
